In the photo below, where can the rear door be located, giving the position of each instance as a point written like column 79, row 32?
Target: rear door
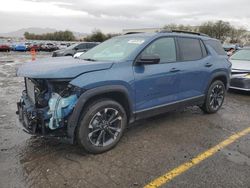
column 195, row 66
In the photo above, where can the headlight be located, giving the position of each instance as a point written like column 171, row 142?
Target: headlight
column 64, row 88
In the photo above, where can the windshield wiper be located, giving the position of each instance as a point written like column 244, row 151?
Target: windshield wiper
column 89, row 59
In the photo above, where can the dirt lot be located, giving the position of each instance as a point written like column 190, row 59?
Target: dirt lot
column 149, row 148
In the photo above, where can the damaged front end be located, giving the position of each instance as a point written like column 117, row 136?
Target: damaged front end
column 45, row 106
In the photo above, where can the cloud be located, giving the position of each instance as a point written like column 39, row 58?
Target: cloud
column 113, row 16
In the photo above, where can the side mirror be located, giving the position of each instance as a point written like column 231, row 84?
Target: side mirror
column 76, row 48
column 148, row 60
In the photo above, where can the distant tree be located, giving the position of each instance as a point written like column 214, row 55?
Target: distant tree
column 110, row 35
column 58, row 35
column 180, row 27
column 236, row 35
column 245, row 39
column 218, row 29
column 221, row 30
column 207, row 28
column 98, row 36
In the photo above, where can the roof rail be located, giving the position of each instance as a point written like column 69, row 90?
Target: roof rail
column 181, row 31
column 189, row 32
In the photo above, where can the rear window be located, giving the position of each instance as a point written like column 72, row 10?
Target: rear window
column 216, row 45
column 190, row 49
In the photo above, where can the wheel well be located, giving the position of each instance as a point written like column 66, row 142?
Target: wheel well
column 116, row 96
column 221, row 78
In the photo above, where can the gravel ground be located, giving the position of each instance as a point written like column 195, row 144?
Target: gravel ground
column 148, row 149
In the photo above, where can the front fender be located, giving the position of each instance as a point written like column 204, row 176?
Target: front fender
column 75, row 116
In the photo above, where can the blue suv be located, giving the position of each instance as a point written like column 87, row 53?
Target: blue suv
column 91, row 99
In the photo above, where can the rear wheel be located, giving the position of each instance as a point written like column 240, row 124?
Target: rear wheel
column 102, row 126
column 215, row 97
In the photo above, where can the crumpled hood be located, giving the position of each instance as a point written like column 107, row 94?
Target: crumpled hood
column 60, row 67
column 240, row 65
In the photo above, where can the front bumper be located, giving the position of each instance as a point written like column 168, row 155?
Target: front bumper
column 240, row 83
column 35, row 120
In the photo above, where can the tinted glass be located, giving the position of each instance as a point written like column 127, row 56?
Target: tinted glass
column 190, row 49
column 203, row 49
column 216, row 45
column 164, row 48
column 243, row 55
column 82, row 46
column 91, row 45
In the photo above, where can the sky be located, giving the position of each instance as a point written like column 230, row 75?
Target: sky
column 114, row 15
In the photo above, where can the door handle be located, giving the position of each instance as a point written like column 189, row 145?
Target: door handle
column 208, row 64
column 174, row 70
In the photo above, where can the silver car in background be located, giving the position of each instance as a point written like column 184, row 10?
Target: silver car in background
column 240, row 79
column 75, row 48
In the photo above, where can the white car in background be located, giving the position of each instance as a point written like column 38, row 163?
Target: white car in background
column 78, row 54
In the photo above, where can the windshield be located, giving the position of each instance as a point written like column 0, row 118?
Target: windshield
column 71, row 46
column 241, row 55
column 115, row 49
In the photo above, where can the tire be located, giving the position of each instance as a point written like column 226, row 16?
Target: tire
column 102, row 125
column 214, row 97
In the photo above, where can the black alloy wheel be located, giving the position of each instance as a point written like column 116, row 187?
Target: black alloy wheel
column 215, row 97
column 102, row 125
column 105, row 127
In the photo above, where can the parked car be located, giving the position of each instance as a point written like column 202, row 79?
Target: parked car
column 228, row 47
column 71, row 50
column 27, row 44
column 63, row 46
column 78, row 54
column 91, row 99
column 241, row 70
column 49, row 47
column 34, row 46
column 19, row 47
column 4, row 48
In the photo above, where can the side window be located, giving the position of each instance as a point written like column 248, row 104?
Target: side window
column 216, row 45
column 203, row 49
column 91, row 45
column 82, row 46
column 164, row 48
column 190, row 49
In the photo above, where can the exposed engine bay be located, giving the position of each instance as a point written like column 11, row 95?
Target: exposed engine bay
column 46, row 104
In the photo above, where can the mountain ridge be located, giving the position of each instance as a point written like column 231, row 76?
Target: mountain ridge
column 36, row 30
